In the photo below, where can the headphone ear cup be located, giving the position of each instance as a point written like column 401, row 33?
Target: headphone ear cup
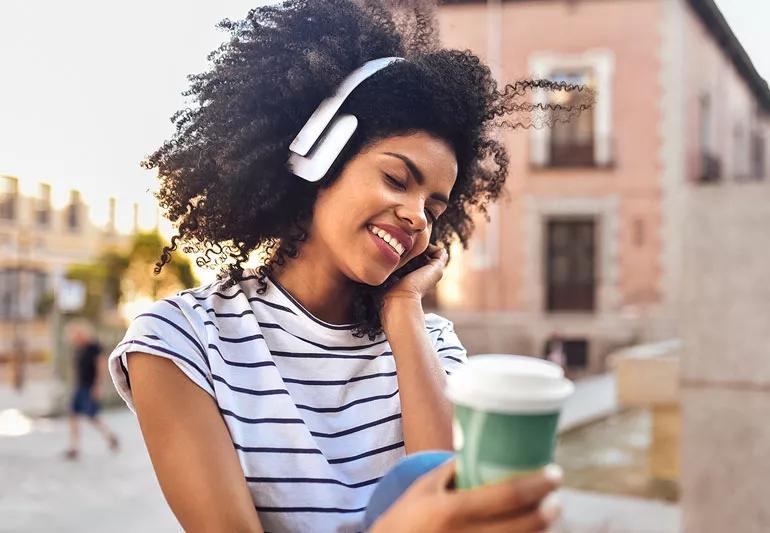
column 317, row 163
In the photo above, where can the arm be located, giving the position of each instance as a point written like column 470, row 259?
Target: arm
column 101, row 370
column 190, row 448
column 426, row 413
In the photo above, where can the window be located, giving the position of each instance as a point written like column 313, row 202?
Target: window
column 710, row 165
column 586, row 140
column 73, row 211
column 758, row 167
column 570, row 265
column 43, row 213
column 740, row 153
column 572, row 143
column 9, row 193
column 9, row 293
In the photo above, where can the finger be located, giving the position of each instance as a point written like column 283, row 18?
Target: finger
column 440, row 479
column 532, row 522
column 508, row 497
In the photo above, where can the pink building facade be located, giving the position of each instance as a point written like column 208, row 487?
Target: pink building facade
column 587, row 244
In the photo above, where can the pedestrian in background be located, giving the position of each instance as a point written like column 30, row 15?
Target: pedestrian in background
column 90, row 368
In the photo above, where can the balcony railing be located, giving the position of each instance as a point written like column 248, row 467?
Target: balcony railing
column 574, row 153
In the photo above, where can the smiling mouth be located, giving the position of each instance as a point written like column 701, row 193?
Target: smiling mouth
column 388, row 239
column 386, row 252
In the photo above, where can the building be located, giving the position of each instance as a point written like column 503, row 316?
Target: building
column 589, row 243
column 37, row 243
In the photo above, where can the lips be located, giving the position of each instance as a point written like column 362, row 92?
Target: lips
column 400, row 235
column 387, row 252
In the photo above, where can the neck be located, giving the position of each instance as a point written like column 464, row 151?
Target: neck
column 321, row 289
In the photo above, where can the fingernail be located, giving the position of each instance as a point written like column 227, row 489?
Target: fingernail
column 550, row 507
column 553, row 473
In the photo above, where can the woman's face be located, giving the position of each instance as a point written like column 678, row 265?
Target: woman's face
column 393, row 191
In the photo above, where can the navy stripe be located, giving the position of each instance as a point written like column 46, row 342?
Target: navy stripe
column 307, row 510
column 263, row 449
column 240, row 364
column 223, row 296
column 236, row 363
column 172, row 302
column 339, row 381
column 316, row 355
column 242, row 339
column 270, row 325
column 210, row 323
column 228, row 315
column 262, row 420
column 306, row 312
column 271, row 304
column 357, row 428
column 153, row 337
column 180, row 329
column 325, row 481
column 169, row 352
column 367, row 454
column 125, row 372
column 315, row 451
column 268, row 392
column 450, row 348
column 453, row 358
column 274, row 392
column 347, row 405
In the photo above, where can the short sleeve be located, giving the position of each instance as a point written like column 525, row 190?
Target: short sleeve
column 170, row 328
column 450, row 350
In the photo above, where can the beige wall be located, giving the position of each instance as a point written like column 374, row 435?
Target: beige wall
column 724, row 309
column 726, row 360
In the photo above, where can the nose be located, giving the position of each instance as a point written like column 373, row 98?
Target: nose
column 414, row 213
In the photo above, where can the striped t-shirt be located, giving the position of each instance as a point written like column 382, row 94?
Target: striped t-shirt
column 313, row 412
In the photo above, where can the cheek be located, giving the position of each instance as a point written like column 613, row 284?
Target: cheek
column 419, row 247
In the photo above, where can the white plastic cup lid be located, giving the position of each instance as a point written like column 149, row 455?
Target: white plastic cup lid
column 509, row 384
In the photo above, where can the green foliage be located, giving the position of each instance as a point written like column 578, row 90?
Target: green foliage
column 117, row 275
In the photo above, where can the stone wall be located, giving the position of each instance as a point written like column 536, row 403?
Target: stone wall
column 726, row 359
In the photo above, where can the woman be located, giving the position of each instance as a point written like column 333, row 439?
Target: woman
column 347, row 157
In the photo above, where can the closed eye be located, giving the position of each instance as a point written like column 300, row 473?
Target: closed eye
column 400, row 186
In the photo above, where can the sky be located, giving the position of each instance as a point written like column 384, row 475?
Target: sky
column 87, row 87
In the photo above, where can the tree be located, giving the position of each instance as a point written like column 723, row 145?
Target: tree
column 117, row 276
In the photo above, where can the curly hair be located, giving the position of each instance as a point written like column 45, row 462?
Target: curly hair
column 224, row 180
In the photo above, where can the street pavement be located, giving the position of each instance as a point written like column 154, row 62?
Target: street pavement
column 106, row 492
column 595, row 398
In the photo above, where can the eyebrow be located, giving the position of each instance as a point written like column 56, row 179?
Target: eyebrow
column 417, row 175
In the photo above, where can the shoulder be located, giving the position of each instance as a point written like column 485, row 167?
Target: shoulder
column 450, row 350
column 435, row 321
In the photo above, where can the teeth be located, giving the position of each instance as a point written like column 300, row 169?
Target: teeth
column 388, row 238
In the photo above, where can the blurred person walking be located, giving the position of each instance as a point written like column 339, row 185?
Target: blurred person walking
column 89, row 368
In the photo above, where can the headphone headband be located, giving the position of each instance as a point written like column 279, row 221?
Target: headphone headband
column 326, row 134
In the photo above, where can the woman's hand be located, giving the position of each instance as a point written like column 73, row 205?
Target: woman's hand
column 416, row 284
column 512, row 506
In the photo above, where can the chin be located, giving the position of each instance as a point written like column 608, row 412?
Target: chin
column 370, row 276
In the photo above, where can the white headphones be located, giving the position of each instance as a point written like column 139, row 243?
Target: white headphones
column 324, row 135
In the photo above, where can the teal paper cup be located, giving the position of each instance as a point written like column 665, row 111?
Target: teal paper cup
column 506, row 410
